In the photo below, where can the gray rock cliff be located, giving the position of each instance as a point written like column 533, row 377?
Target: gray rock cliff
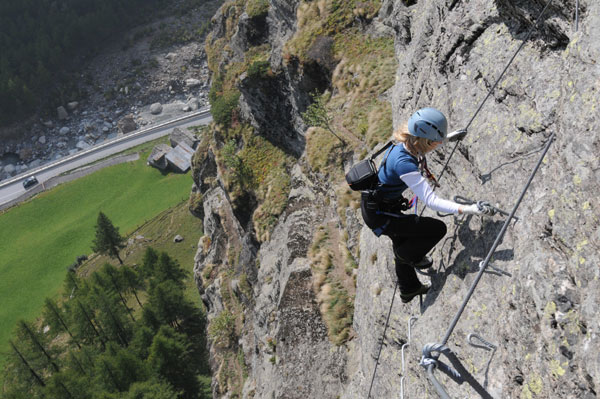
column 540, row 313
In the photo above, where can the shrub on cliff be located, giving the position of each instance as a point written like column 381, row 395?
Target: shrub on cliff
column 257, row 8
column 259, row 69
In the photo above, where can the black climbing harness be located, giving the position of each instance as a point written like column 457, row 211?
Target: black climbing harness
column 376, row 202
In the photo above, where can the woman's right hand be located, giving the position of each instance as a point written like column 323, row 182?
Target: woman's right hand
column 478, row 208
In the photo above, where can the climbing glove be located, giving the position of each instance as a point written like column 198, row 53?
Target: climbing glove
column 479, row 208
column 456, row 135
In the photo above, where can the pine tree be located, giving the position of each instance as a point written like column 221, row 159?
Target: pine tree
column 167, row 302
column 109, row 279
column 111, row 316
column 149, row 262
column 132, row 282
column 38, row 379
column 151, row 389
column 108, row 241
column 83, row 325
column 118, row 368
column 36, row 341
column 168, row 268
column 170, row 357
column 57, row 321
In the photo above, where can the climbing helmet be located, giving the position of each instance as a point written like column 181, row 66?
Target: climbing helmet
column 428, row 123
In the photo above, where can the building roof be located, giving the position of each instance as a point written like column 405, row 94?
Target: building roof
column 179, row 136
column 157, row 156
column 180, row 157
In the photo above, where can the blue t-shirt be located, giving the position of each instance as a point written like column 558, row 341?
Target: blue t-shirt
column 398, row 163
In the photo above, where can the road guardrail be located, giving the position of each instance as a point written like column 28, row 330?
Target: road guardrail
column 99, row 147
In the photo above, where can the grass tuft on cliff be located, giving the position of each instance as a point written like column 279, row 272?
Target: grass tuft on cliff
column 333, row 282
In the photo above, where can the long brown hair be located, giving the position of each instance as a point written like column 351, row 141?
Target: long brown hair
column 415, row 145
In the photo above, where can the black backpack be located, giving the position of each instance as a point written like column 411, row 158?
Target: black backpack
column 363, row 175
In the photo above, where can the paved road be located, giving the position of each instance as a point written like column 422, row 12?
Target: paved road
column 13, row 188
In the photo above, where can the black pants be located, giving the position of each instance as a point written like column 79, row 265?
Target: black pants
column 412, row 236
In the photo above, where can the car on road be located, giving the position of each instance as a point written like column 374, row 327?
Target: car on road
column 30, row 182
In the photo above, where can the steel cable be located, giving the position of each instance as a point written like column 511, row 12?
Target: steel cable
column 455, row 321
column 538, row 19
column 382, row 339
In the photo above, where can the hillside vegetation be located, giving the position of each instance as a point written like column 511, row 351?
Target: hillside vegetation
column 350, row 114
column 40, row 39
column 40, row 238
column 121, row 333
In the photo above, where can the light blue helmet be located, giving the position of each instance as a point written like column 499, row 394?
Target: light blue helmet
column 428, row 123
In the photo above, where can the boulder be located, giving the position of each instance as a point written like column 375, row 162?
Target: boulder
column 193, row 103
column 186, row 108
column 65, row 130
column 42, row 140
column 72, row 105
column 156, row 108
column 26, row 153
column 62, row 113
column 48, row 124
column 126, row 124
column 82, row 145
column 178, row 238
column 10, row 169
column 193, row 82
column 35, row 163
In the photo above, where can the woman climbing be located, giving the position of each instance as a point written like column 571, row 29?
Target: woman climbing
column 403, row 167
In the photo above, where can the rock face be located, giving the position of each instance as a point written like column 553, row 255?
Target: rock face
column 539, row 315
column 540, row 311
column 284, row 289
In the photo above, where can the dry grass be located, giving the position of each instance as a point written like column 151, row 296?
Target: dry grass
column 333, row 282
column 346, row 198
column 324, row 152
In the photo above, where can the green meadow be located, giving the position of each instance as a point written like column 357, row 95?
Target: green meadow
column 40, row 238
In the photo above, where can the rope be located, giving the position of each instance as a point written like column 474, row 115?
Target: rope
column 491, row 91
column 382, row 339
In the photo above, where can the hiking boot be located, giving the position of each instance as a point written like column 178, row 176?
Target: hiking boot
column 424, row 263
column 406, row 298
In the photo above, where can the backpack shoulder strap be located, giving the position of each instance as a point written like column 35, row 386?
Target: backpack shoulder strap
column 382, row 149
